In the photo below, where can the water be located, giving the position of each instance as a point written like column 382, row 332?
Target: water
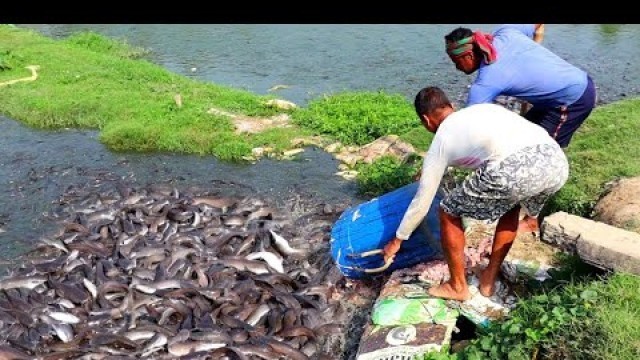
column 314, row 59
column 38, row 166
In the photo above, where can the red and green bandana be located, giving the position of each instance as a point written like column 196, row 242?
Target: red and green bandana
column 464, row 46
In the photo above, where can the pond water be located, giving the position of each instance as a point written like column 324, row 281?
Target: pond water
column 37, row 167
column 313, row 59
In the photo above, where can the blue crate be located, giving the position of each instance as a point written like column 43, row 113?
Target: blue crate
column 372, row 224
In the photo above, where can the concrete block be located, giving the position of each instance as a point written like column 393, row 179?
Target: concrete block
column 597, row 243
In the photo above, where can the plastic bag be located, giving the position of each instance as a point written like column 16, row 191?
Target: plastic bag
column 410, row 311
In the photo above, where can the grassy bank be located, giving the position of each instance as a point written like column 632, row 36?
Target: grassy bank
column 90, row 81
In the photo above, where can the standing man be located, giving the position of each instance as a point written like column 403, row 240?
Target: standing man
column 511, row 62
column 517, row 165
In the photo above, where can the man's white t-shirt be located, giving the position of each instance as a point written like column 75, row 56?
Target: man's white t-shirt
column 467, row 138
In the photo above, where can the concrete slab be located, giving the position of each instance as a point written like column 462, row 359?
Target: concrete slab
column 597, row 243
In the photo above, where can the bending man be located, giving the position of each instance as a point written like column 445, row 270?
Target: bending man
column 511, row 62
column 517, row 165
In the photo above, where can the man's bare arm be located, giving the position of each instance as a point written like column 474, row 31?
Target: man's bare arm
column 538, row 35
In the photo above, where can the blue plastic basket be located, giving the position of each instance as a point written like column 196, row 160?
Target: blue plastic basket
column 370, row 225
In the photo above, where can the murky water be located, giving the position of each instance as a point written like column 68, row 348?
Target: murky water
column 321, row 58
column 38, row 166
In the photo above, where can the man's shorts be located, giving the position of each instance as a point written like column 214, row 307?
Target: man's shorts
column 561, row 123
column 526, row 178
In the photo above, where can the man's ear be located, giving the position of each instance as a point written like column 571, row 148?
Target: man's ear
column 424, row 119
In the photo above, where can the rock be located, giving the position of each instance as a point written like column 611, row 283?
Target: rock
column 348, row 174
column 333, row 148
column 178, row 99
column 252, row 125
column 596, row 243
column 307, row 141
column 348, row 158
column 281, row 104
column 386, row 145
column 291, row 153
column 258, row 152
column 620, row 204
column 255, row 125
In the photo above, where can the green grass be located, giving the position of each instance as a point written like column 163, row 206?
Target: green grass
column 581, row 313
column 90, row 81
column 418, row 136
column 604, row 148
column 387, row 173
column 358, row 118
column 616, row 330
column 110, row 46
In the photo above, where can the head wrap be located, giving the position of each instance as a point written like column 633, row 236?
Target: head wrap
column 465, row 46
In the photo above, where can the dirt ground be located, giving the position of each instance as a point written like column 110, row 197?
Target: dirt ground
column 527, row 245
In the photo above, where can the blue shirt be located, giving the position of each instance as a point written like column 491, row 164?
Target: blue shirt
column 526, row 70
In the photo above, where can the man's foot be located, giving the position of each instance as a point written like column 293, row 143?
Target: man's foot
column 446, row 291
column 487, row 285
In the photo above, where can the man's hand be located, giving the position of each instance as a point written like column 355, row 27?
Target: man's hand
column 390, row 250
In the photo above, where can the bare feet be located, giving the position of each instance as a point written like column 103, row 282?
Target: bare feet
column 447, row 291
column 487, row 285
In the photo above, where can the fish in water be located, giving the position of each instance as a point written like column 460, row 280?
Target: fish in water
column 159, row 272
